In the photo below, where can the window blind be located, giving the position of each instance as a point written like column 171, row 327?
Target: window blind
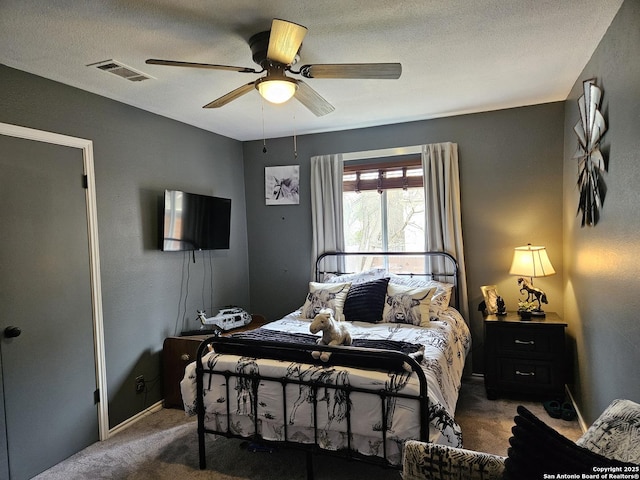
column 406, row 173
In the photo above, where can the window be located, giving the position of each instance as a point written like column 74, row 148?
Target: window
column 384, row 206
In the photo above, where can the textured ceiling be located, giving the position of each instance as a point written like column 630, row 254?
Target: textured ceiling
column 458, row 56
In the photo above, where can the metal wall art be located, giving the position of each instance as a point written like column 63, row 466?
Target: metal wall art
column 591, row 163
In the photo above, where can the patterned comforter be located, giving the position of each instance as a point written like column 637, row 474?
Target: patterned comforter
column 446, row 343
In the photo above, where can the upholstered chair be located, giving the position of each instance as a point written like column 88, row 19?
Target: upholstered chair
column 613, row 438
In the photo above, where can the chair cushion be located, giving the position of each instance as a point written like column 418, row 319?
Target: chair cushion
column 431, row 461
column 537, row 449
column 616, row 433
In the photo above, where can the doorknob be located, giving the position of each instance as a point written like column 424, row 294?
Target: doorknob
column 11, row 332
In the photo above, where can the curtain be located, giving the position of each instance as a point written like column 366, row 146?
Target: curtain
column 326, row 208
column 443, row 218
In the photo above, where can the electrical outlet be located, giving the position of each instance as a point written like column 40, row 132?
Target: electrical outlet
column 140, row 385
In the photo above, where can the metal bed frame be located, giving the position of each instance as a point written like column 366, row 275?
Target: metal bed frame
column 274, row 350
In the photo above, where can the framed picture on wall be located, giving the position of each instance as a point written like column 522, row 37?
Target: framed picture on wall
column 281, row 185
column 490, row 294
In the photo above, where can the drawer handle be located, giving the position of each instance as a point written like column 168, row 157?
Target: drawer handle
column 185, row 357
column 525, row 374
column 523, row 342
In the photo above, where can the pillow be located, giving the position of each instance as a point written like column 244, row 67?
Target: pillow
column 360, row 277
column 325, row 295
column 537, row 449
column 615, row 432
column 441, row 297
column 407, row 305
column 365, row 301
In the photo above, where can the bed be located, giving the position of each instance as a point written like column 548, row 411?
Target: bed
column 399, row 379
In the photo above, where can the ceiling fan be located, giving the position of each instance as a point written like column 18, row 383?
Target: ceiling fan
column 276, row 50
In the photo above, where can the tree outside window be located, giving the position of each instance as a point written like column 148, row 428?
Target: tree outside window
column 384, row 210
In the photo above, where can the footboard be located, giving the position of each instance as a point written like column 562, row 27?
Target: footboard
column 315, row 388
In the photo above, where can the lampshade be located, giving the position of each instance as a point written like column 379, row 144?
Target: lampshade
column 531, row 261
column 277, row 91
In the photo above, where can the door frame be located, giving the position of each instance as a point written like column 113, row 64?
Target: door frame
column 94, row 254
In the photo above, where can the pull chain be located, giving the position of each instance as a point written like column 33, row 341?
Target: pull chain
column 264, row 138
column 295, row 139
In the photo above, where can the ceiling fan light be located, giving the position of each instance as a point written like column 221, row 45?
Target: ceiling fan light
column 277, row 91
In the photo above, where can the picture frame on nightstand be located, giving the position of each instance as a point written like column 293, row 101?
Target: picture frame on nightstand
column 490, row 295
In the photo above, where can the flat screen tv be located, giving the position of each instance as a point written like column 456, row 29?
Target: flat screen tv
column 195, row 222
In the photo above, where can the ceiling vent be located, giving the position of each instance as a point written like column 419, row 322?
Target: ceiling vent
column 121, row 70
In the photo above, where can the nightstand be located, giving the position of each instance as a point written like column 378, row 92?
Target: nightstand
column 525, row 357
column 178, row 352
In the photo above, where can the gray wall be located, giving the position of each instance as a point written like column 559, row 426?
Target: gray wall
column 511, row 181
column 511, row 168
column 138, row 155
column 601, row 263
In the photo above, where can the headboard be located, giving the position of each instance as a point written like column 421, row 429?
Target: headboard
column 440, row 266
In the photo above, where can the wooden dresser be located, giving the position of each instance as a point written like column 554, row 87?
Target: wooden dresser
column 525, row 357
column 178, row 352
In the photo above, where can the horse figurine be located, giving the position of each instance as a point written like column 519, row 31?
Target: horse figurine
column 333, row 332
column 532, row 292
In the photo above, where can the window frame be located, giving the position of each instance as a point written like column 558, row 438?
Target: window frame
column 381, row 175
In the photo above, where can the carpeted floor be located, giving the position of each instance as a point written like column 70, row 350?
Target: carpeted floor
column 486, row 424
column 163, row 445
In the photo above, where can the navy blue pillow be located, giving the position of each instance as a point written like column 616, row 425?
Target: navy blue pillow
column 365, row 301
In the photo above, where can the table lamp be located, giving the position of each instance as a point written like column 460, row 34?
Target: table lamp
column 533, row 262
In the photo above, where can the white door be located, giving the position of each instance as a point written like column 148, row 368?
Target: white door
column 46, row 320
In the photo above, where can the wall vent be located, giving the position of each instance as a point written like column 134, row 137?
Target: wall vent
column 121, row 70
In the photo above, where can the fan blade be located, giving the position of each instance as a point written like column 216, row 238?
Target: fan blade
column 312, row 100
column 232, row 95
column 285, row 40
column 176, row 63
column 353, row 70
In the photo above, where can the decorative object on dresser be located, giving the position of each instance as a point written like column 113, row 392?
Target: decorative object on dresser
column 527, row 358
column 228, row 318
column 502, row 307
column 178, row 352
column 533, row 262
column 591, row 163
column 493, row 303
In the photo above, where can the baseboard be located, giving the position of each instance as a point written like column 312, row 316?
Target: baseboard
column 156, row 407
column 581, row 422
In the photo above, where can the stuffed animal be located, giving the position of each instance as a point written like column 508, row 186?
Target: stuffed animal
column 333, row 332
